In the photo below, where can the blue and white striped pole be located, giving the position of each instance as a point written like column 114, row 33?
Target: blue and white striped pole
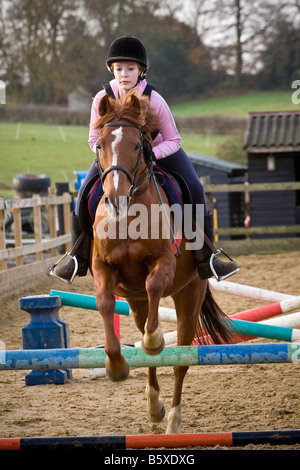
column 86, row 358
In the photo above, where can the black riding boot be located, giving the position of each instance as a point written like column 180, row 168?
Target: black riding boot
column 65, row 271
column 203, row 256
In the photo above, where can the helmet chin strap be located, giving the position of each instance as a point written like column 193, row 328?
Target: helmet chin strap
column 141, row 77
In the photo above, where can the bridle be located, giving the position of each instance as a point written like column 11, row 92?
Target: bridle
column 145, row 149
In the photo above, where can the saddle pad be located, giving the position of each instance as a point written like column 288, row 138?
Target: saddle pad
column 168, row 186
column 173, row 198
column 94, row 198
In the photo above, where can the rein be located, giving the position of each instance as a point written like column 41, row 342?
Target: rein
column 133, row 177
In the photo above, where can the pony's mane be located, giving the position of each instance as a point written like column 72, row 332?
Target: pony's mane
column 133, row 108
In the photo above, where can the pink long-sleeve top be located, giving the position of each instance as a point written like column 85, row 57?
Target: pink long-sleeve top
column 167, row 142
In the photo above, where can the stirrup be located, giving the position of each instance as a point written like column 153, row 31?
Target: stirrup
column 221, row 278
column 51, row 272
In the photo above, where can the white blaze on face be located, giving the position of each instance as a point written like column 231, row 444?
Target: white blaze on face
column 118, row 133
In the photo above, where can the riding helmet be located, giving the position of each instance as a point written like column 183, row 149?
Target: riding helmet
column 127, row 48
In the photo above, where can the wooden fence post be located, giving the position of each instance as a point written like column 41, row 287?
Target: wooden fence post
column 52, row 213
column 205, row 180
column 67, row 220
column 18, row 230
column 3, row 264
column 37, row 224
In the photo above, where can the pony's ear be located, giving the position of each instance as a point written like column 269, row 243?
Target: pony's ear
column 134, row 103
column 105, row 106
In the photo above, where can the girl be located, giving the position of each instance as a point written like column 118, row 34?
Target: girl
column 128, row 63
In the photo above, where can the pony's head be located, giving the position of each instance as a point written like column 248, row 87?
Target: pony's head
column 123, row 149
column 134, row 109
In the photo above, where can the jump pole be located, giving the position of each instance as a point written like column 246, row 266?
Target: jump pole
column 244, row 331
column 249, row 292
column 247, row 330
column 256, row 329
column 167, row 314
column 87, row 358
column 72, row 299
column 267, row 311
column 292, row 320
column 142, row 441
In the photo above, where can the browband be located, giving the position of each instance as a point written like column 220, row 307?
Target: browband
column 120, row 124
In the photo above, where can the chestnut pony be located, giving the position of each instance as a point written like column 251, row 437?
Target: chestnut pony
column 142, row 270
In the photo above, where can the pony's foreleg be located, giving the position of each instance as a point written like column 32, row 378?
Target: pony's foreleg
column 174, row 416
column 157, row 281
column 155, row 404
column 116, row 367
column 188, row 304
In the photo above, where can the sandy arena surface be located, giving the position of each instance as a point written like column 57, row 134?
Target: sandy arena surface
column 215, row 398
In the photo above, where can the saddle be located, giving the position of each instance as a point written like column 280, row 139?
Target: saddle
column 172, row 183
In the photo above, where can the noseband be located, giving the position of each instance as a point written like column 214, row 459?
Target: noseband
column 145, row 147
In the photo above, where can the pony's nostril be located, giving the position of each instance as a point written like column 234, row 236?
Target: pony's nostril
column 112, row 202
column 116, row 206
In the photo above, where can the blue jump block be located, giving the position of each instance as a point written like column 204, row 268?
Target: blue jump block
column 45, row 331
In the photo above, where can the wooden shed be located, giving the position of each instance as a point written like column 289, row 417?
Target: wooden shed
column 230, row 206
column 80, row 100
column 272, row 141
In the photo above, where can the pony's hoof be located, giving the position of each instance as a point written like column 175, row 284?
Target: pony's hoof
column 117, row 375
column 155, row 405
column 160, row 414
column 153, row 351
column 153, row 343
column 174, row 420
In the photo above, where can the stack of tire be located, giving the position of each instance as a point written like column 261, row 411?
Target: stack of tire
column 25, row 186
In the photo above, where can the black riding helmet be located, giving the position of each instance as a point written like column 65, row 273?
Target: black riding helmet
column 127, row 48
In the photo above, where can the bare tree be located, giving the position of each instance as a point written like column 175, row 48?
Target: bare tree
column 38, row 47
column 236, row 30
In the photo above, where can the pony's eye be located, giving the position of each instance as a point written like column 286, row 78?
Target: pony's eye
column 98, row 146
column 137, row 147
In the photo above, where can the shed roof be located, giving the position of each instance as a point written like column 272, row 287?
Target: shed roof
column 216, row 163
column 81, row 92
column 273, row 132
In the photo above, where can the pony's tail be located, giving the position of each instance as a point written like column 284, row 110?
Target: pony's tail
column 213, row 322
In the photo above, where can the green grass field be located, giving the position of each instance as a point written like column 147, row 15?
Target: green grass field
column 237, row 106
column 60, row 150
column 35, row 148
